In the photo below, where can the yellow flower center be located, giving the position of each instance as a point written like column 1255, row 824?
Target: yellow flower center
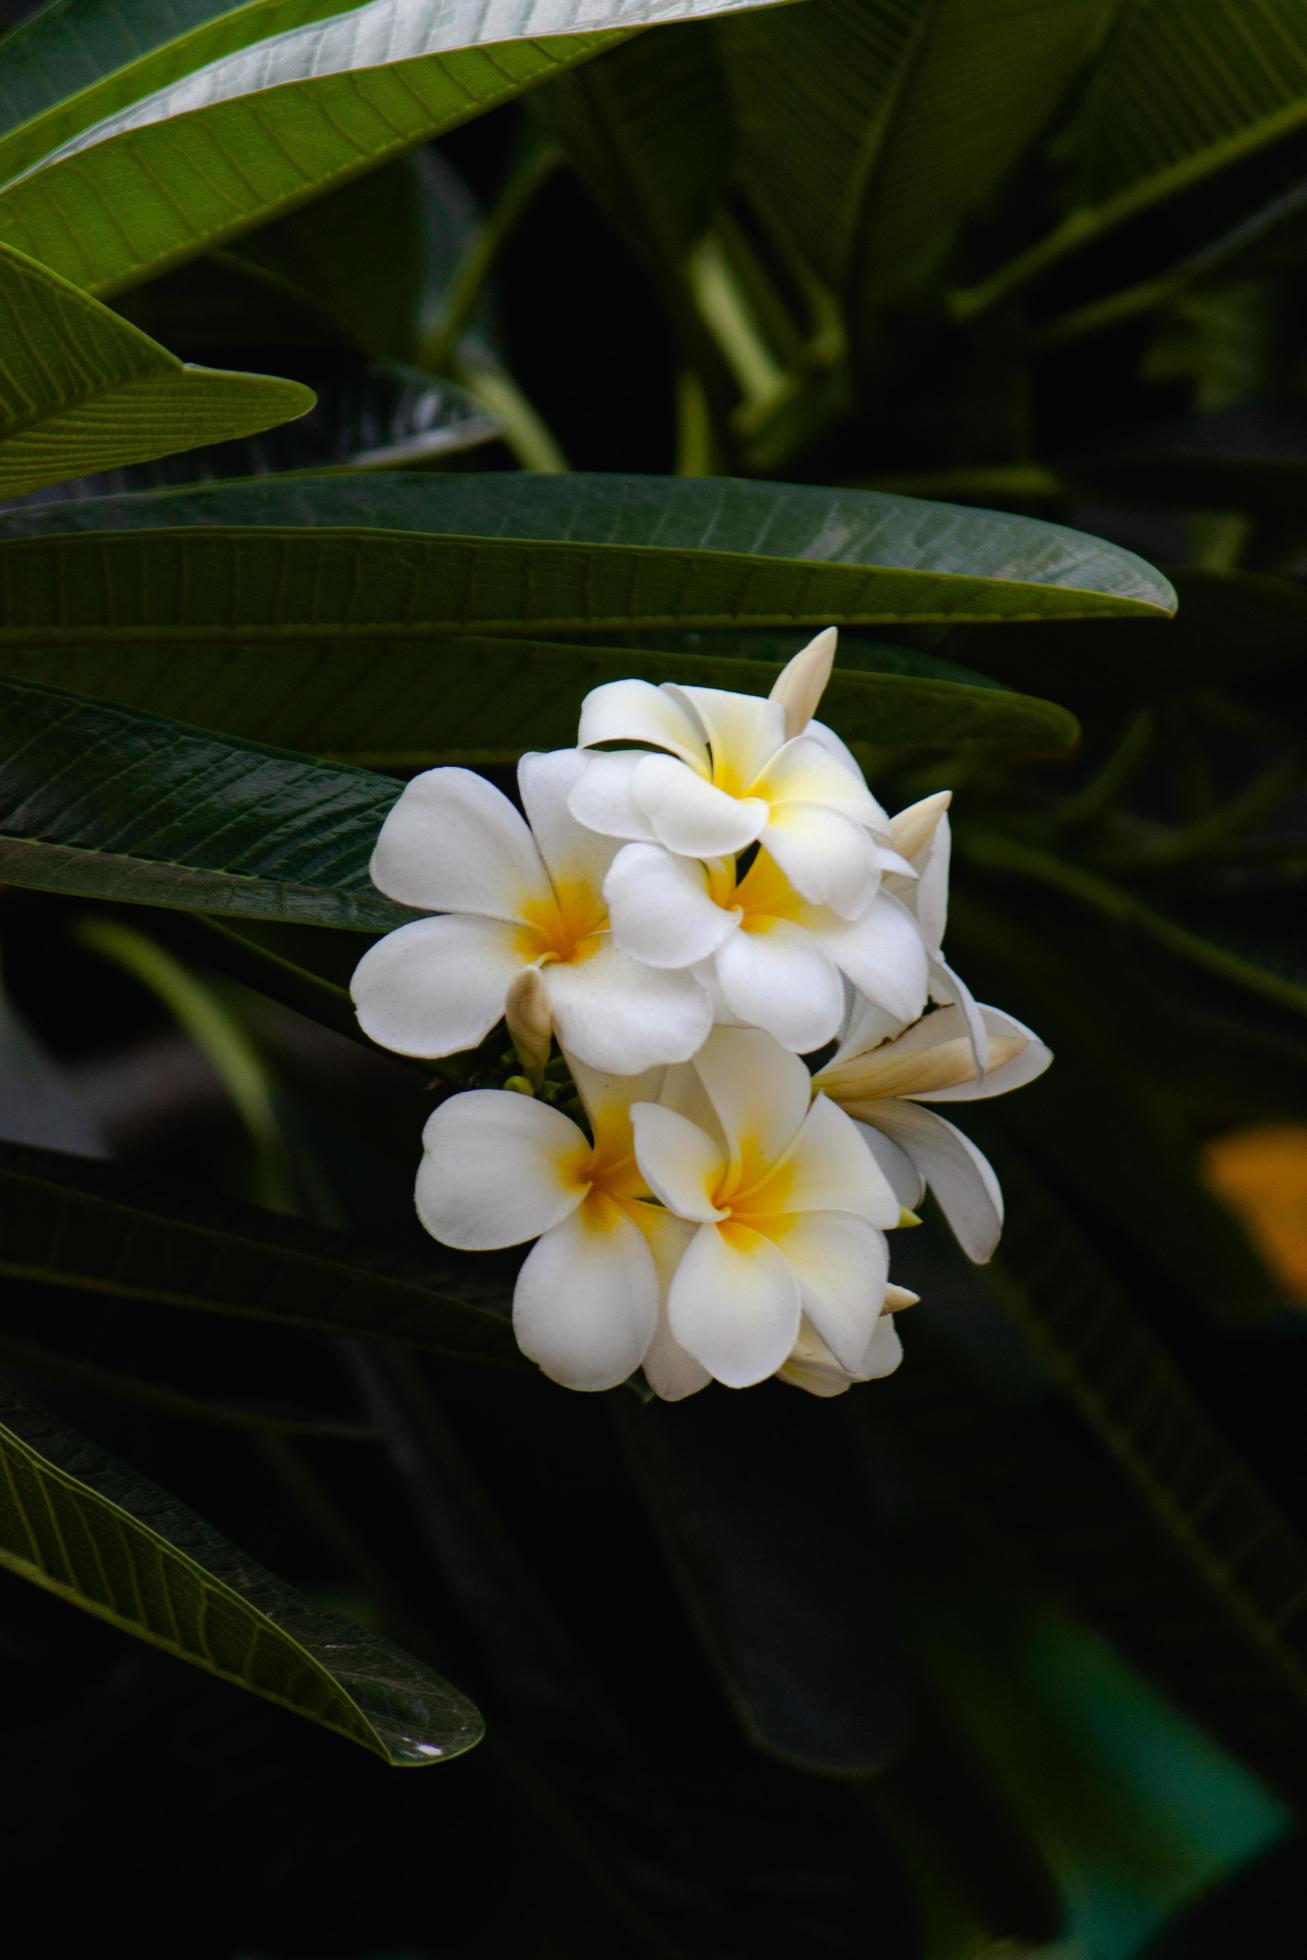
column 566, row 926
column 763, row 897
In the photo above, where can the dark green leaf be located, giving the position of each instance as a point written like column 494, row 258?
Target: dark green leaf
column 870, row 127
column 767, row 1515
column 110, row 803
column 100, row 1536
column 89, row 1226
column 262, row 128
column 81, row 391
column 393, row 558
column 483, row 700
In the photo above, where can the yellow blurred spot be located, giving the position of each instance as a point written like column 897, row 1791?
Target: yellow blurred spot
column 1261, row 1173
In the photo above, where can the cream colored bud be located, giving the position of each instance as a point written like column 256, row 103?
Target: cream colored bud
column 913, row 828
column 898, row 1297
column 519, row 1085
column 802, row 682
column 907, row 1218
column 530, row 1022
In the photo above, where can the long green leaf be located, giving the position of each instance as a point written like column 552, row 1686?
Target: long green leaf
column 75, row 62
column 85, row 1527
column 1181, row 93
column 111, row 803
column 870, row 127
column 70, row 1222
column 486, row 700
column 393, row 558
column 81, row 391
column 267, row 126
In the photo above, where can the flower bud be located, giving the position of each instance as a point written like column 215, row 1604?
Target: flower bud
column 530, row 1022
column 803, row 682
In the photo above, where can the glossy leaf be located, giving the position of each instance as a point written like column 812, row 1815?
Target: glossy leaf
column 264, row 127
column 100, row 1536
column 767, row 1517
column 870, row 127
column 81, row 391
column 479, row 700
column 92, row 1227
column 110, row 803
column 368, row 415
column 516, row 553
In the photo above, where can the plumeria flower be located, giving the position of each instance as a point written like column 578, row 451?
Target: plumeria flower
column 881, row 1075
column 735, row 770
column 921, row 834
column 813, row 1367
column 771, row 959
column 500, row 1168
column 514, row 894
column 789, row 1209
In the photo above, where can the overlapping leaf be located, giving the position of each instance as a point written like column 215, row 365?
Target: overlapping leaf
column 97, row 1534
column 267, row 125
column 81, row 390
column 66, row 1221
column 111, row 803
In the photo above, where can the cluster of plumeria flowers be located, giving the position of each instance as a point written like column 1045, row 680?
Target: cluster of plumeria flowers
column 699, row 895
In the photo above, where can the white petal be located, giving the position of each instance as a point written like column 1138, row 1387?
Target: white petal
column 905, row 1180
column 802, row 681
column 841, row 1264
column 1029, row 1061
column 950, row 990
column 817, row 731
column 883, row 955
column 884, row 1351
column 436, row 986
column 636, row 711
column 827, row 857
column 620, row 1017
column 681, row 1165
column 452, row 843
column 660, row 909
column 813, row 1368
column 780, row 980
column 962, row 1180
column 671, row 1372
column 574, row 855
column 498, row 1168
column 805, row 771
column 759, row 1091
column 601, row 797
column 913, row 828
column 734, row 1305
column 865, row 1028
column 691, row 817
column 928, row 897
column 607, row 1099
column 744, row 731
column 826, row 1168
column 585, row 1307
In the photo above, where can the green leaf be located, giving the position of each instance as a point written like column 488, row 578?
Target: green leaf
column 1177, row 96
column 80, row 390
column 110, row 803
column 393, row 558
column 73, row 63
column 88, row 1226
column 767, row 1516
column 869, row 128
column 368, row 415
column 85, row 1527
column 265, row 127
column 486, row 700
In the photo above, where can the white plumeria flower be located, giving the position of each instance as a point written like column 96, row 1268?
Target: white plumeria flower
column 512, row 897
column 500, row 1168
column 881, row 1075
column 922, row 836
column 790, row 1210
column 813, row 1367
column 772, row 960
column 738, row 769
